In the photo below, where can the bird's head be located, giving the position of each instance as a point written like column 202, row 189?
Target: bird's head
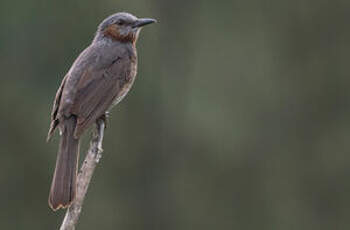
column 122, row 27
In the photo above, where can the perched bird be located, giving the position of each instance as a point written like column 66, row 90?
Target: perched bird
column 99, row 78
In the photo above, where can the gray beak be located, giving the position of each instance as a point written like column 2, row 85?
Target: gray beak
column 143, row 21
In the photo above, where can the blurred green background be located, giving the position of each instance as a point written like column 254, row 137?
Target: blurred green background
column 239, row 117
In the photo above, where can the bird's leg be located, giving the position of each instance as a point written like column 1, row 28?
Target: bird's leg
column 105, row 117
column 100, row 123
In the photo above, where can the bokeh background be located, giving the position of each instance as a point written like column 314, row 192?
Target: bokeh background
column 239, row 117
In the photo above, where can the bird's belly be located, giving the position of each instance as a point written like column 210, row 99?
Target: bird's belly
column 123, row 92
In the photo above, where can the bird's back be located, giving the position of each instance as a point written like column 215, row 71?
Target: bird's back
column 99, row 78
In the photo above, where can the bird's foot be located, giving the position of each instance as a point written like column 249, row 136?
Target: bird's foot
column 104, row 118
column 99, row 148
column 100, row 130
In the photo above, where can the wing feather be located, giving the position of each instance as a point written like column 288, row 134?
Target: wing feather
column 56, row 104
column 96, row 92
column 94, row 82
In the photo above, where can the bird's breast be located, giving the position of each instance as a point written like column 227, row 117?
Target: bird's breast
column 125, row 82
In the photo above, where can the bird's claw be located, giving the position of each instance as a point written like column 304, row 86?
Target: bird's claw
column 104, row 118
column 99, row 148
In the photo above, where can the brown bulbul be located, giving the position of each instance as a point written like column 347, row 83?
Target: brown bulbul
column 98, row 79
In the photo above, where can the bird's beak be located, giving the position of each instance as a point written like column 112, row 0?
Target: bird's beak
column 143, row 21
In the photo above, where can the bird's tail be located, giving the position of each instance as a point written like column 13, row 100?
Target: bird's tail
column 63, row 187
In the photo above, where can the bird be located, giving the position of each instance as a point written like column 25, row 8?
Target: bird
column 98, row 79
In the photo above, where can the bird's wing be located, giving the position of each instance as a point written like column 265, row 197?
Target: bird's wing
column 97, row 89
column 95, row 80
column 55, row 107
column 67, row 90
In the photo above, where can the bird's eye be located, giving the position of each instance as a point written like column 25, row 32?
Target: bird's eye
column 120, row 22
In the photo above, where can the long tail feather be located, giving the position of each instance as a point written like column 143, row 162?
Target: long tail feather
column 63, row 187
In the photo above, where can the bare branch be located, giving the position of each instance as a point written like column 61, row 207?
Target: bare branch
column 84, row 177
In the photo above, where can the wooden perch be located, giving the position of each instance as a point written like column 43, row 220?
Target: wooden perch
column 92, row 158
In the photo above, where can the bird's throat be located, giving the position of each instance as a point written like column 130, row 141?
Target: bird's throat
column 112, row 32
